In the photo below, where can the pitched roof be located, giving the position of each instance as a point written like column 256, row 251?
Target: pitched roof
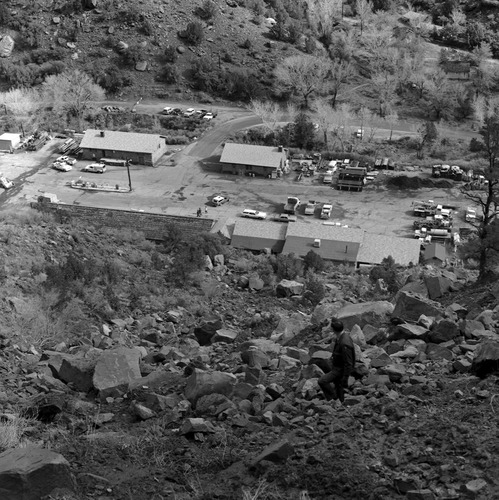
column 246, row 154
column 435, row 251
column 121, row 141
column 375, row 247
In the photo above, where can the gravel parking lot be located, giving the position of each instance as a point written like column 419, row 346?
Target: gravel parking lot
column 187, row 186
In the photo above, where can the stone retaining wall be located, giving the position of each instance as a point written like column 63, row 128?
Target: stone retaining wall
column 152, row 225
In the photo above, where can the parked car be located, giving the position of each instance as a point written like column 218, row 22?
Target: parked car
column 199, row 113
column 96, row 168
column 285, row 218
column 189, row 112
column 219, row 200
column 6, row 183
column 61, row 166
column 167, row 111
column 470, row 214
column 208, row 116
column 66, row 159
column 327, row 208
column 176, row 112
column 328, row 177
column 254, row 214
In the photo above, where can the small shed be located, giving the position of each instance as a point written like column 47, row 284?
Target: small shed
column 8, row 142
column 435, row 253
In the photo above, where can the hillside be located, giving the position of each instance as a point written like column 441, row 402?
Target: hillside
column 213, row 417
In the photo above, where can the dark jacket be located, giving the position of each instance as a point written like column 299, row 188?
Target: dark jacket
column 344, row 354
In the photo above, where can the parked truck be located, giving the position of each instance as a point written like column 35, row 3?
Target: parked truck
column 327, row 208
column 292, row 205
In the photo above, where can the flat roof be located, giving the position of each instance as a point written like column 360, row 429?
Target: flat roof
column 376, row 247
column 260, row 229
column 121, row 141
column 248, row 154
column 8, row 136
column 324, row 231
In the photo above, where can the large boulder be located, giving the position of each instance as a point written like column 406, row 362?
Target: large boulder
column 288, row 288
column 31, row 473
column 410, row 306
column 115, row 370
column 288, row 327
column 201, row 383
column 486, row 360
column 365, row 313
column 78, row 372
column 207, row 329
column 410, row 331
column 437, row 286
column 6, row 46
column 323, row 313
column 443, row 331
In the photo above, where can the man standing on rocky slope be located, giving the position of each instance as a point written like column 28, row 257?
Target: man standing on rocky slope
column 343, row 362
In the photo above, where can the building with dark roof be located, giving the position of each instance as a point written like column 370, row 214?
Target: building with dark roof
column 246, row 159
column 259, row 235
column 434, row 253
column 376, row 247
column 141, row 149
column 352, row 178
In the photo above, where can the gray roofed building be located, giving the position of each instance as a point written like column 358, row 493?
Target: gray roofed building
column 258, row 235
column 435, row 252
column 376, row 247
column 139, row 148
column 250, row 159
column 340, row 244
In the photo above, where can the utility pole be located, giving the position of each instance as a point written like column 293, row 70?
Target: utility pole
column 129, row 177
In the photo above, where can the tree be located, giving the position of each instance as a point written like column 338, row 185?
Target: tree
column 428, row 134
column 304, row 133
column 322, row 16
column 391, row 119
column 314, row 262
column 384, row 84
column 485, row 76
column 24, row 105
column 71, row 91
column 340, row 73
column 302, row 75
column 440, row 97
column 268, row 112
column 324, row 115
column 364, row 11
column 488, row 198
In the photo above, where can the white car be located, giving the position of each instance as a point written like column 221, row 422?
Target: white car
column 97, row 168
column 219, row 200
column 254, row 214
column 168, row 110
column 189, row 112
column 6, row 183
column 61, row 166
column 208, row 116
column 66, row 159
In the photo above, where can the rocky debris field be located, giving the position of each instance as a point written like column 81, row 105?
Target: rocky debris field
column 174, row 404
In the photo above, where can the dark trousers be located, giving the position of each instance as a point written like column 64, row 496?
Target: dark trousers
column 330, row 379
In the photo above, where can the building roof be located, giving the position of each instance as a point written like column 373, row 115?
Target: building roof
column 246, row 154
column 121, row 141
column 300, row 239
column 7, row 136
column 258, row 234
column 375, row 247
column 456, row 66
column 435, row 251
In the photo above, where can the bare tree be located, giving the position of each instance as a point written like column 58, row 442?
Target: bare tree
column 364, row 11
column 486, row 76
column 341, row 118
column 324, row 114
column 322, row 15
column 24, row 104
column 340, row 74
column 303, row 75
column 71, row 91
column 268, row 112
column 391, row 119
column 385, row 85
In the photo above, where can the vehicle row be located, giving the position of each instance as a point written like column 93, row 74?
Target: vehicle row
column 189, row 113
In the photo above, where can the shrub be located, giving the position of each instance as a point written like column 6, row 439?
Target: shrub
column 132, row 55
column 247, row 44
column 386, row 271
column 288, row 266
column 314, row 262
column 169, row 74
column 476, row 145
column 315, row 290
column 170, row 54
column 5, row 15
column 208, row 10
column 194, row 33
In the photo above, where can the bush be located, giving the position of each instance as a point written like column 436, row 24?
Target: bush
column 476, row 145
column 314, row 262
column 170, row 54
column 194, row 33
column 169, row 74
column 5, row 15
column 208, row 10
column 288, row 266
column 315, row 290
column 386, row 271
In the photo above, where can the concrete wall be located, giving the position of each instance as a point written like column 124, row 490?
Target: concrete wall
column 152, row 225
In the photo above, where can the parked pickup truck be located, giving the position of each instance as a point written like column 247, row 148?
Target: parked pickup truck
column 327, row 208
column 328, row 177
column 310, row 207
column 292, row 205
